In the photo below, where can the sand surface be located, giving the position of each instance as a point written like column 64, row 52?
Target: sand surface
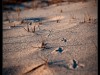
column 21, row 49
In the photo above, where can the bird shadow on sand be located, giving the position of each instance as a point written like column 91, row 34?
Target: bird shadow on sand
column 51, row 64
column 58, row 63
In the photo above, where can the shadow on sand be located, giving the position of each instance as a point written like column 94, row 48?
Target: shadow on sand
column 51, row 64
column 38, row 19
column 13, row 70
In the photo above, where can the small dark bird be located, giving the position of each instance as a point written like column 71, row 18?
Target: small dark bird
column 59, row 50
column 75, row 64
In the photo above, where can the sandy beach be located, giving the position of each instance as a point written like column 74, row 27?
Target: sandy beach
column 54, row 40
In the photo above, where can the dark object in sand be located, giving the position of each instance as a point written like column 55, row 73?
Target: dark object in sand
column 64, row 40
column 74, row 64
column 59, row 50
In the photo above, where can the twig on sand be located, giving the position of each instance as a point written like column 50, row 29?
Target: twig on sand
column 18, row 10
column 28, row 30
column 33, row 30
